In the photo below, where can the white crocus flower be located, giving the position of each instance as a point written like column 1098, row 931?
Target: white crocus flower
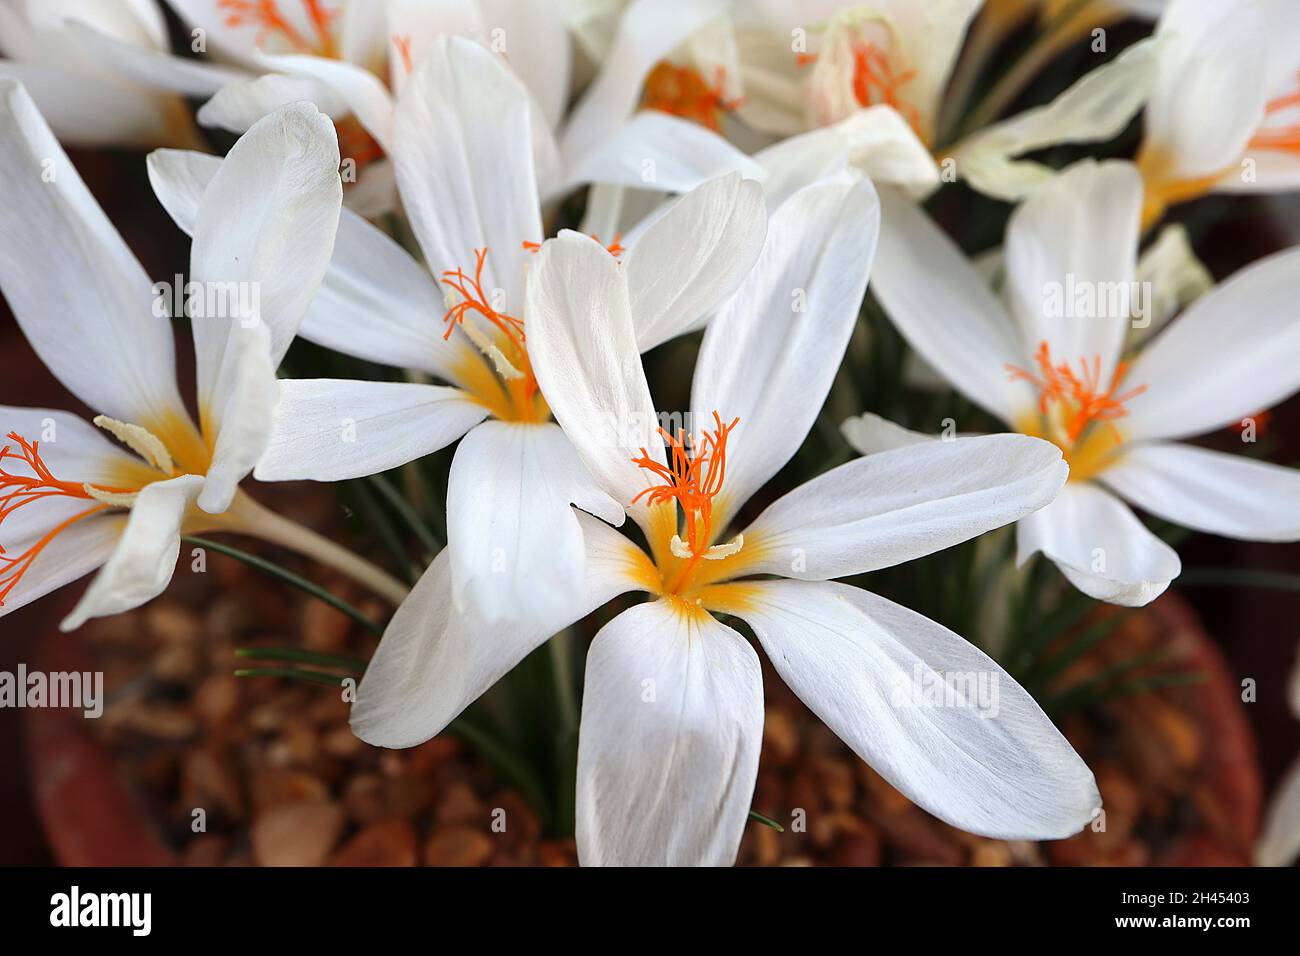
column 71, row 498
column 1225, row 113
column 461, row 147
column 352, row 58
column 672, row 708
column 875, row 72
column 93, row 67
column 1047, row 360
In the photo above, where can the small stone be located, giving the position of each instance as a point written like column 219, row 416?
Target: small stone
column 171, row 623
column 163, row 721
column 209, row 782
column 217, row 700
column 459, row 804
column 991, row 853
column 780, row 738
column 207, row 849
column 323, row 628
column 175, row 663
column 457, row 846
column 384, row 843
column 557, row 853
column 836, row 777
column 363, row 796
column 856, row 849
column 280, row 787
column 341, row 742
column 298, row 834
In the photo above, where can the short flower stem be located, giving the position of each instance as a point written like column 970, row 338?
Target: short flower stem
column 248, row 517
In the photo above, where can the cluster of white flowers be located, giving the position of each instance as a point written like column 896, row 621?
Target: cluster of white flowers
column 747, row 167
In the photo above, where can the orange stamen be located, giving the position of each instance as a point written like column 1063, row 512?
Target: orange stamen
column 681, row 91
column 1282, row 138
column 18, row 491
column 475, row 299
column 403, row 43
column 692, row 482
column 615, row 249
column 875, row 82
column 12, row 569
column 1078, row 394
column 265, row 14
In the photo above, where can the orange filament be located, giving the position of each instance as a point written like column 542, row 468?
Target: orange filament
column 13, row 568
column 1285, row 138
column 615, row 249
column 474, row 299
column 692, row 482
column 681, row 91
column 1078, row 395
column 874, row 81
column 403, row 43
column 266, row 15
column 18, row 491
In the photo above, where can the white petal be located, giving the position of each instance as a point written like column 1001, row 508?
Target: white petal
column 1231, row 495
column 1096, row 108
column 244, row 397
column 1235, row 352
column 693, row 257
column 536, row 45
column 265, row 227
column 73, row 448
column 899, row 505
column 868, row 434
column 515, row 542
column 1210, row 91
column 583, row 349
column 770, row 354
column 375, row 302
column 151, row 68
column 1078, row 232
column 145, row 557
column 1272, row 171
column 179, row 178
column 374, row 194
column 1279, row 844
column 1100, row 545
column 334, row 429
column 672, row 721
column 239, row 106
column 76, row 550
column 379, row 304
column 941, row 304
column 79, row 295
column 647, row 32
column 654, row 150
column 468, row 183
column 233, row 41
column 435, row 661
column 931, row 713
column 366, row 97
column 95, row 111
column 1176, row 278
